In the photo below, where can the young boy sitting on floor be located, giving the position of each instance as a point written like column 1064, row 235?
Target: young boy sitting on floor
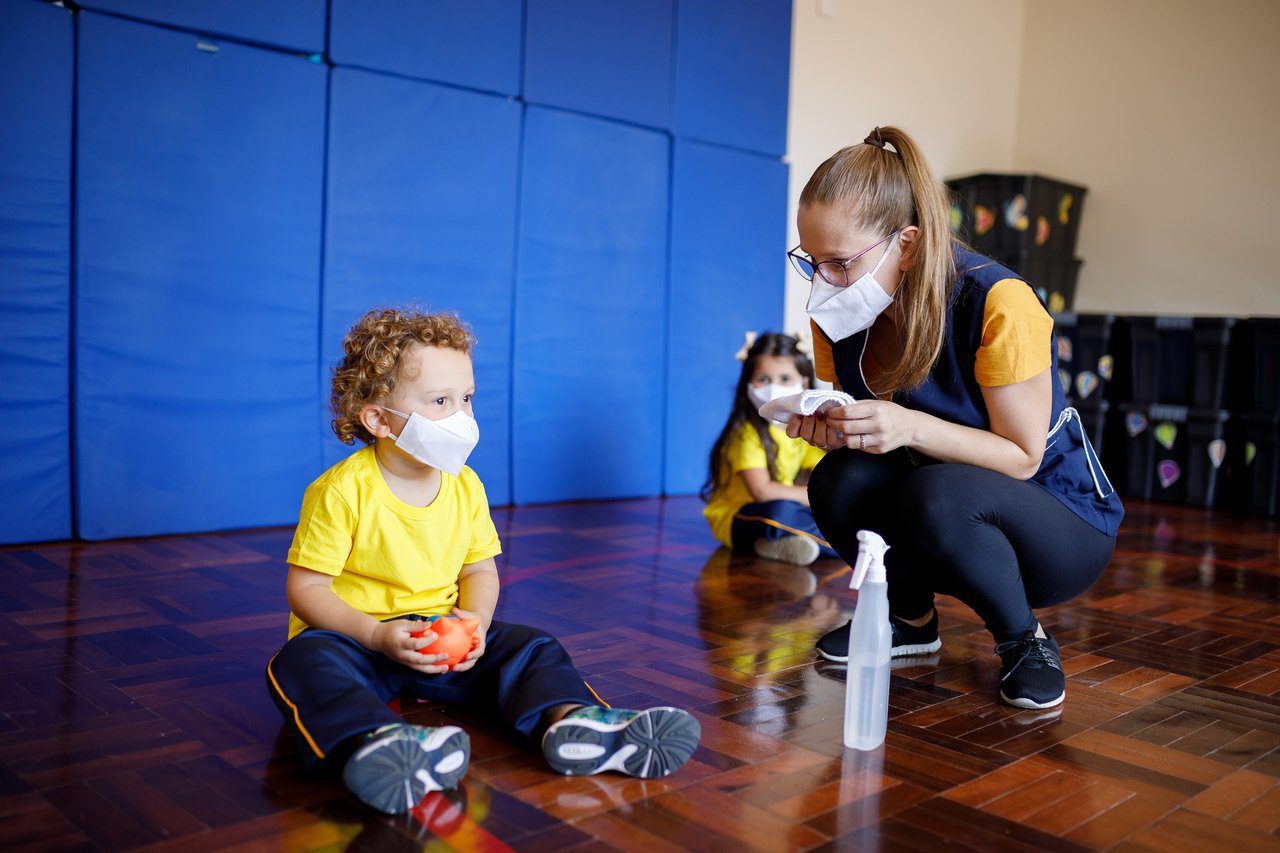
column 399, row 532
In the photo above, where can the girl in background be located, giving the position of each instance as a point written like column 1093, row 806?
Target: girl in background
column 756, row 498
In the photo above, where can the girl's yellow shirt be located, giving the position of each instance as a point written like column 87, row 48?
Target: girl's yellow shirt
column 743, row 453
column 390, row 558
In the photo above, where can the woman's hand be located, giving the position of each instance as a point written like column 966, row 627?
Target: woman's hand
column 876, row 426
column 477, row 640
column 816, row 430
column 393, row 640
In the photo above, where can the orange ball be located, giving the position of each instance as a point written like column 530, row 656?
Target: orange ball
column 454, row 637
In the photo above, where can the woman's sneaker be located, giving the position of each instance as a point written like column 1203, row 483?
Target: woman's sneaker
column 648, row 744
column 399, row 764
column 800, row 550
column 908, row 640
column 1031, row 673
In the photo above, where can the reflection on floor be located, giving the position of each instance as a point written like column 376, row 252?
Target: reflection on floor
column 134, row 710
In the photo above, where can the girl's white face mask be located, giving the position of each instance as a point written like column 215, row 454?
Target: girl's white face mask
column 443, row 444
column 761, row 394
column 844, row 311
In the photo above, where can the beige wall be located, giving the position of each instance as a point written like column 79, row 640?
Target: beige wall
column 1168, row 110
column 851, row 71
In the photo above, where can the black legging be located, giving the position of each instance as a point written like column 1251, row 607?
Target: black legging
column 1000, row 545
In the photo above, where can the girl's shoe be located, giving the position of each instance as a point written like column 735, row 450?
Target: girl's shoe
column 648, row 744
column 800, row 550
column 399, row 764
column 908, row 640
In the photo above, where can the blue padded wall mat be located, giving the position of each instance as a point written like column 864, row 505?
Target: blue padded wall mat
column 475, row 44
column 732, row 72
column 590, row 309
column 198, row 195
column 728, row 227
column 291, row 24
column 421, row 210
column 35, row 269
column 608, row 58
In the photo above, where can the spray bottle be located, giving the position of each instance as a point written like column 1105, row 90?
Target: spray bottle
column 866, row 694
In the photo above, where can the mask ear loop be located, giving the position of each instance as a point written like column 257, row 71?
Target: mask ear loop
column 390, row 434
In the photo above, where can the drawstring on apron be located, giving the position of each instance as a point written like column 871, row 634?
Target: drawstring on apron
column 1090, row 456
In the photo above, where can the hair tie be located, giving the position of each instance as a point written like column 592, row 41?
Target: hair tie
column 874, row 138
column 741, row 355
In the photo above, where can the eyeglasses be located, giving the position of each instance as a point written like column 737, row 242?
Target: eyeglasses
column 835, row 273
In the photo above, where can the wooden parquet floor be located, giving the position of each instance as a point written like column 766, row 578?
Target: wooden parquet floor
column 133, row 712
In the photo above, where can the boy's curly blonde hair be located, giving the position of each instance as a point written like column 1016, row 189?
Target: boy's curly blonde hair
column 372, row 352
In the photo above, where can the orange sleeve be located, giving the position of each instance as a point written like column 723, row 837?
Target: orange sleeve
column 1017, row 333
column 824, row 364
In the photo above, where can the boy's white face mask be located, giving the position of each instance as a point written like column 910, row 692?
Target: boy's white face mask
column 761, row 394
column 443, row 444
column 844, row 311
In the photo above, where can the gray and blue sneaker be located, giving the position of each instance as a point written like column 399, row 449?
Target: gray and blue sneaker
column 647, row 744
column 399, row 764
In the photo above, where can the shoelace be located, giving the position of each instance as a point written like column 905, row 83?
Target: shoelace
column 1031, row 648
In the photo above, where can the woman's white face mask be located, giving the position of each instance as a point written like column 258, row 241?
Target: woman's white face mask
column 443, row 444
column 844, row 311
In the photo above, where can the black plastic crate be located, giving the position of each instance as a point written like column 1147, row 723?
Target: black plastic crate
column 1054, row 278
column 1255, row 474
column 1175, row 454
column 1260, row 366
column 1086, row 365
column 1004, row 214
column 1180, row 361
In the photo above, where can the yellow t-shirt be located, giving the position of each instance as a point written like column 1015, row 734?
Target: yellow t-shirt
column 744, row 453
column 1016, row 335
column 390, row 558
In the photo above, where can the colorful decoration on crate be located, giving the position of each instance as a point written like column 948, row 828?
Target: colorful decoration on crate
column 1042, row 231
column 1166, row 434
column 1168, row 473
column 1057, row 304
column 1250, row 451
column 1064, row 349
column 957, row 219
column 983, row 219
column 1135, row 423
column 1015, row 213
column 1106, row 367
column 1065, row 378
column 1217, row 452
column 1064, row 208
column 1086, row 383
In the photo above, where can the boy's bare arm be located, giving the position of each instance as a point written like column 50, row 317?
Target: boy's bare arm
column 312, row 599
column 478, row 589
column 477, row 596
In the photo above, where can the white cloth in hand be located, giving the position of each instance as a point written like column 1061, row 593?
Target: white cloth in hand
column 805, row 403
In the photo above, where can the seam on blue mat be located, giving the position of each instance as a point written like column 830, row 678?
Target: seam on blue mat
column 321, row 372
column 73, row 270
column 515, row 296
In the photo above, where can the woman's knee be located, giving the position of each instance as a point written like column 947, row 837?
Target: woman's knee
column 935, row 504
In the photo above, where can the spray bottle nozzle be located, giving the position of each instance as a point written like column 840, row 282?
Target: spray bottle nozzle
column 871, row 548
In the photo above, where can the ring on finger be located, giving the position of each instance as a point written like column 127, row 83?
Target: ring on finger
column 862, row 440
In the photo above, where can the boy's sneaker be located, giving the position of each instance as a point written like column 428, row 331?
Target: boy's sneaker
column 648, row 744
column 800, row 550
column 399, row 764
column 908, row 640
column 1031, row 673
